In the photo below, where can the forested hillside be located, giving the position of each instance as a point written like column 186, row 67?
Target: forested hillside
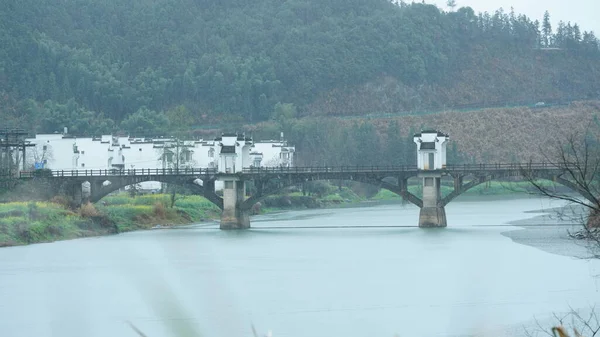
column 152, row 66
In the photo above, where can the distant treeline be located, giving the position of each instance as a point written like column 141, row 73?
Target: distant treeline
column 157, row 66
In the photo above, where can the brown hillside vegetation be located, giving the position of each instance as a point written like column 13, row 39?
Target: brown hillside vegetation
column 506, row 134
column 494, row 135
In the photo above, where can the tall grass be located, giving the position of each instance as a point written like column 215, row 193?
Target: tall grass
column 150, row 210
column 31, row 222
column 23, row 223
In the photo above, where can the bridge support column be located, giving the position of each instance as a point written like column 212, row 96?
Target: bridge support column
column 76, row 192
column 458, row 182
column 432, row 213
column 233, row 216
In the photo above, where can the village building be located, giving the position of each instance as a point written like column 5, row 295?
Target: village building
column 228, row 153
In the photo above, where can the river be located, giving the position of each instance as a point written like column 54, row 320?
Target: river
column 362, row 271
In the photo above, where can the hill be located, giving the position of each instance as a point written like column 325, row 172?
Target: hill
column 496, row 135
column 154, row 66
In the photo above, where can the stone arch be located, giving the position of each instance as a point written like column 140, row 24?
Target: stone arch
column 264, row 191
column 99, row 190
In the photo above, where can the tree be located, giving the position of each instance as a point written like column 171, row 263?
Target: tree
column 581, row 324
column 576, row 161
column 145, row 122
column 283, row 113
column 451, row 4
column 175, row 155
column 180, row 118
column 546, row 30
column 39, row 155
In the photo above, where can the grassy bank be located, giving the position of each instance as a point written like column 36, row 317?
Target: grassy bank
column 146, row 211
column 33, row 222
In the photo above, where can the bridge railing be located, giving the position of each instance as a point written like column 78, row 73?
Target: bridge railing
column 504, row 166
column 400, row 168
column 117, row 172
column 329, row 169
column 282, row 170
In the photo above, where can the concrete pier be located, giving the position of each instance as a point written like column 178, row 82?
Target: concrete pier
column 233, row 216
column 432, row 217
column 432, row 214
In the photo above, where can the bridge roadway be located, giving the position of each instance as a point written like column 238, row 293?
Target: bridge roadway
column 269, row 180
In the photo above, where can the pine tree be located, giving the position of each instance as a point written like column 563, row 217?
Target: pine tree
column 546, row 30
column 451, row 4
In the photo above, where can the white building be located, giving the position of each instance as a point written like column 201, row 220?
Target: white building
column 431, row 149
column 228, row 153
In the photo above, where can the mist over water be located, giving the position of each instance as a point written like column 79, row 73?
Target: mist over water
column 294, row 278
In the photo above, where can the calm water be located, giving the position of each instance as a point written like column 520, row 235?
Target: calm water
column 467, row 279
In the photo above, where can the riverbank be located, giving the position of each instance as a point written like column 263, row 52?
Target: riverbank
column 549, row 230
column 35, row 222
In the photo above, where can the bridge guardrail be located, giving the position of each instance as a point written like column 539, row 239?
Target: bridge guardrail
column 284, row 170
column 455, row 167
column 503, row 166
column 125, row 172
column 327, row 169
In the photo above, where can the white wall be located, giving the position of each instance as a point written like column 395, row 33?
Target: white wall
column 95, row 154
column 271, row 150
column 439, row 151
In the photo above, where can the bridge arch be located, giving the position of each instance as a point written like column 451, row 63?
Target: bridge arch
column 483, row 178
column 267, row 187
column 99, row 190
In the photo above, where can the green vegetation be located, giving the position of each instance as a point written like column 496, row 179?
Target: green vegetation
column 146, row 211
column 488, row 188
column 153, row 67
column 23, row 223
column 32, row 222
column 36, row 221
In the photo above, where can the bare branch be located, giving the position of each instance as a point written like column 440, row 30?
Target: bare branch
column 138, row 331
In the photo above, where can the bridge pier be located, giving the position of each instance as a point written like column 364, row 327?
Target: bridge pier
column 233, row 215
column 75, row 190
column 432, row 213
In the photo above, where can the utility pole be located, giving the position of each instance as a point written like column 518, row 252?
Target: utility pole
column 177, row 155
column 12, row 140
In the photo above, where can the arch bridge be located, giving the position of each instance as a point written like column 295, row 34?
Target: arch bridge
column 236, row 205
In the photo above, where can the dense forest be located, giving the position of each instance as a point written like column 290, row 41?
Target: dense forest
column 148, row 67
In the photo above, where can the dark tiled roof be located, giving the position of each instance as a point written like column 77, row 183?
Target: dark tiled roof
column 438, row 133
column 228, row 149
column 238, row 136
column 428, row 146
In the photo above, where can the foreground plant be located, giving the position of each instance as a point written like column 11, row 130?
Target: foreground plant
column 559, row 331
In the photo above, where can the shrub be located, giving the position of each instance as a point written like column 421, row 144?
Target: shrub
column 60, row 200
column 24, row 233
column 159, row 210
column 42, row 173
column 54, row 230
column 88, row 210
column 33, row 210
